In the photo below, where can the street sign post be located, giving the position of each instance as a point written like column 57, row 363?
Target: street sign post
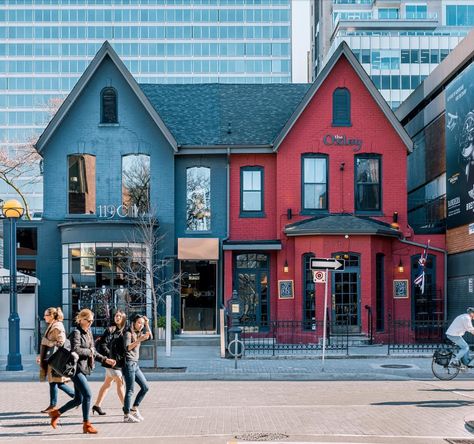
column 317, row 263
column 326, row 264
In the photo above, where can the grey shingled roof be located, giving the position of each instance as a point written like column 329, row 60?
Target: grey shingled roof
column 340, row 224
column 200, row 114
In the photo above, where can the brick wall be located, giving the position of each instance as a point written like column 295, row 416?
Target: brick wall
column 458, row 240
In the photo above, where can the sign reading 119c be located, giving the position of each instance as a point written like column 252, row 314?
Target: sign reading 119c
column 317, row 263
column 121, row 211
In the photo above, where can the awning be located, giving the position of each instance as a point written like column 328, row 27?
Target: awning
column 198, row 248
column 255, row 245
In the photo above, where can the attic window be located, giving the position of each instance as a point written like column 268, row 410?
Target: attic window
column 108, row 101
column 341, row 107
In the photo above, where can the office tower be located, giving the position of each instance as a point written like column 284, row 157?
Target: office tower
column 398, row 42
column 47, row 44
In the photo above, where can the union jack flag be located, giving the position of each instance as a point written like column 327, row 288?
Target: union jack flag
column 420, row 277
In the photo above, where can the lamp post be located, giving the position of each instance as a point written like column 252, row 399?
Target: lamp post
column 13, row 210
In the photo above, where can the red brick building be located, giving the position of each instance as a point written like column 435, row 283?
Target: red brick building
column 334, row 186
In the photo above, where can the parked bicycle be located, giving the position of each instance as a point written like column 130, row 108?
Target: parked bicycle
column 440, row 365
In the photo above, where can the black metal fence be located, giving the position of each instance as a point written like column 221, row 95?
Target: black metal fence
column 293, row 338
column 407, row 336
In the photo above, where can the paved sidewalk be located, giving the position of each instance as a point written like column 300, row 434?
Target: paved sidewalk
column 204, row 363
column 224, row 412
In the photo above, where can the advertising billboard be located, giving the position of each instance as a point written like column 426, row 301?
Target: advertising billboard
column 460, row 149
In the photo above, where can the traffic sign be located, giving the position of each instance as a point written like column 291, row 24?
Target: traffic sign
column 317, row 263
column 319, row 277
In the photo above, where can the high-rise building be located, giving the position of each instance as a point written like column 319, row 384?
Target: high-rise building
column 45, row 45
column 398, row 42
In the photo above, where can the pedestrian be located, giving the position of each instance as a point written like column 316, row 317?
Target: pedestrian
column 54, row 336
column 111, row 344
column 455, row 333
column 133, row 337
column 82, row 343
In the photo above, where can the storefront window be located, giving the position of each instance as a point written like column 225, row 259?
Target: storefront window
column 368, row 192
column 136, row 183
column 105, row 277
column 81, row 184
column 198, row 199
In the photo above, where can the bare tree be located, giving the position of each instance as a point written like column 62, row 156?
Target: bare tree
column 22, row 162
column 148, row 273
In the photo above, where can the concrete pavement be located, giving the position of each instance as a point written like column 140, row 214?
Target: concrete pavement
column 222, row 412
column 204, row 363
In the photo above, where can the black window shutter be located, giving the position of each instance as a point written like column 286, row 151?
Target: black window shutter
column 341, row 111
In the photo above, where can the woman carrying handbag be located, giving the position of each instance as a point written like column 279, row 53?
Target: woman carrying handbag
column 55, row 336
column 82, row 343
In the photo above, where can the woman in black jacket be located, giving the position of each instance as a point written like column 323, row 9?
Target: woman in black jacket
column 82, row 343
column 111, row 344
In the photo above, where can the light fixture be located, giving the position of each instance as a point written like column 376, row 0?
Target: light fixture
column 285, row 267
column 394, row 223
column 346, row 236
column 400, row 266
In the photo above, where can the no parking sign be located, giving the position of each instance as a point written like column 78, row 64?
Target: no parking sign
column 319, row 277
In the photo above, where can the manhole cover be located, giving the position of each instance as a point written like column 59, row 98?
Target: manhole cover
column 261, row 436
column 164, row 369
column 396, row 366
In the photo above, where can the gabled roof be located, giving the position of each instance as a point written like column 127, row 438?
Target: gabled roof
column 336, row 224
column 106, row 50
column 344, row 50
column 220, row 114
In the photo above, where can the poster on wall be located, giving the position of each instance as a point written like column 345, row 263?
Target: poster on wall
column 460, row 149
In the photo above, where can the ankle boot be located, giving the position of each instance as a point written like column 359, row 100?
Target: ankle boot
column 87, row 427
column 54, row 415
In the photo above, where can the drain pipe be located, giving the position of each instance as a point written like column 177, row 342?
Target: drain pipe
column 445, row 283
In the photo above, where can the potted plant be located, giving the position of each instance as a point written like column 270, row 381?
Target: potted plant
column 161, row 326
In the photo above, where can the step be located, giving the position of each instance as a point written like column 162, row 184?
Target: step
column 194, row 341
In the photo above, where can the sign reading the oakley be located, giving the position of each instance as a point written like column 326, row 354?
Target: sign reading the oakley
column 335, row 139
column 460, row 149
column 121, row 211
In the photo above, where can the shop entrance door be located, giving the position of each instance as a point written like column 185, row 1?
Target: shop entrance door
column 346, row 296
column 198, row 296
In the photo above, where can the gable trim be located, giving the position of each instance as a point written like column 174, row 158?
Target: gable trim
column 105, row 50
column 343, row 49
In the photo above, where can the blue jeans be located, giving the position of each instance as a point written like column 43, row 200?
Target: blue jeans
column 132, row 373
column 463, row 353
column 53, row 391
column 82, row 395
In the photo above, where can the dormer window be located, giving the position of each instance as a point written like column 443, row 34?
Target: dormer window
column 108, row 101
column 341, row 107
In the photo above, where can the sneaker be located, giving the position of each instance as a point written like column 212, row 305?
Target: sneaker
column 130, row 418
column 135, row 412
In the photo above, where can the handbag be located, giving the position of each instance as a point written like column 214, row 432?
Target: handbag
column 64, row 362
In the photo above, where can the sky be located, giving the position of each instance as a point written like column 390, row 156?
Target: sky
column 301, row 39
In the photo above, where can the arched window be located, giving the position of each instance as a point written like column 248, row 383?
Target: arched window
column 108, row 103
column 198, row 198
column 341, row 107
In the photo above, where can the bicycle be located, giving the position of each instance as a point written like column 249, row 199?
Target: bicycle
column 441, row 359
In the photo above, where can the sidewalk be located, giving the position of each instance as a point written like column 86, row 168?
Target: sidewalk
column 201, row 363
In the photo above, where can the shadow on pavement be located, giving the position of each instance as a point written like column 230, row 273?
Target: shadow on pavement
column 431, row 404
column 447, row 390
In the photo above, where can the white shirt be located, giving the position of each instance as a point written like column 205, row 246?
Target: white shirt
column 461, row 325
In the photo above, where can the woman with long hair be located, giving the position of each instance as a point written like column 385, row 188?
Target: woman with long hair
column 133, row 337
column 54, row 336
column 82, row 343
column 111, row 344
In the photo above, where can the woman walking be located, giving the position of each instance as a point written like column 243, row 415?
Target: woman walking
column 131, row 371
column 82, row 343
column 112, row 345
column 54, row 336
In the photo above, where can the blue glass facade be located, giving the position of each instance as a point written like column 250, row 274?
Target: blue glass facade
column 47, row 44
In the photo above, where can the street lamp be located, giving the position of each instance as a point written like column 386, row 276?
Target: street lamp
column 13, row 210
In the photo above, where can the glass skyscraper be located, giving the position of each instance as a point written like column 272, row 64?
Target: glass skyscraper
column 398, row 42
column 45, row 46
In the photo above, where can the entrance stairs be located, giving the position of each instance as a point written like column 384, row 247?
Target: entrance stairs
column 354, row 339
column 188, row 340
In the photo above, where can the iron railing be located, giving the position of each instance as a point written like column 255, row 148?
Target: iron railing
column 294, row 337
